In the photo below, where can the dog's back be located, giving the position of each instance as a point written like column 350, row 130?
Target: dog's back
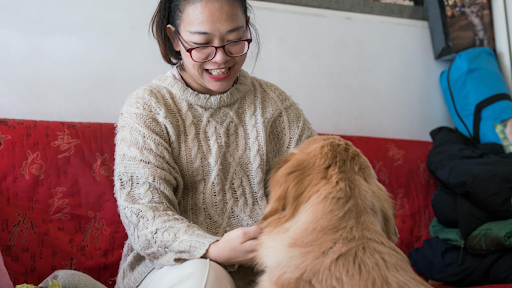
column 368, row 263
column 312, row 250
column 329, row 223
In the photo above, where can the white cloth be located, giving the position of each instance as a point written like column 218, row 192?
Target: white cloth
column 190, row 167
column 71, row 279
column 198, row 273
column 5, row 281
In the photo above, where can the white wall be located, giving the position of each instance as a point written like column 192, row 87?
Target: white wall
column 352, row 74
column 74, row 60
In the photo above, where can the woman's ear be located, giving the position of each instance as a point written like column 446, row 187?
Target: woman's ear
column 175, row 42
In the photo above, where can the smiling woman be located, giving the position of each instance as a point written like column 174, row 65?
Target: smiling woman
column 193, row 150
column 210, row 72
column 190, row 44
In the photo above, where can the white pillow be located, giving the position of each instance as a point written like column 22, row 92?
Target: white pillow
column 5, row 281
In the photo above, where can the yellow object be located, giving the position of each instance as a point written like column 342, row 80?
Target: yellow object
column 53, row 284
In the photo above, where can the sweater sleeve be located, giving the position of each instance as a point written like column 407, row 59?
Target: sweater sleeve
column 147, row 182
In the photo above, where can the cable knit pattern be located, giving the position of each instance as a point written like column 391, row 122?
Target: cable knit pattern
column 190, row 167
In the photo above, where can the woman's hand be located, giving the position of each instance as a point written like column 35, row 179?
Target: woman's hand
column 235, row 247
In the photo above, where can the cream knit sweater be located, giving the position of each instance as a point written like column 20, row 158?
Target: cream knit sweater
column 190, row 167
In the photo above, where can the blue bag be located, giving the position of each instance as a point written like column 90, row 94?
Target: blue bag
column 476, row 94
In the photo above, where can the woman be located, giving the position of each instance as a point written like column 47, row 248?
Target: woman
column 193, row 150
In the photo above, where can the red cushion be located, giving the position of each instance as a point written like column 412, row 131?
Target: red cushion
column 58, row 207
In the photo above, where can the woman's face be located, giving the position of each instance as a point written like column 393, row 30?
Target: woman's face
column 214, row 23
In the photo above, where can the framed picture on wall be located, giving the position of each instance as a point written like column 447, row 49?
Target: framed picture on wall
column 457, row 25
column 409, row 9
column 470, row 24
column 402, row 2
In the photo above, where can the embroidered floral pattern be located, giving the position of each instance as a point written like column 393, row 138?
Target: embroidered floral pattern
column 33, row 164
column 65, row 142
column 59, row 203
column 95, row 228
column 2, row 139
column 102, row 166
column 397, row 154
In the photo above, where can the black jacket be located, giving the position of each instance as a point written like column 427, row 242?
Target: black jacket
column 437, row 260
column 476, row 181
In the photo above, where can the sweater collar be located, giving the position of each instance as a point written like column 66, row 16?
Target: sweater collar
column 183, row 92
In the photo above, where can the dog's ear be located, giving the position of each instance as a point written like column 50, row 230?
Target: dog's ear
column 290, row 186
column 390, row 227
column 388, row 219
column 277, row 197
column 277, row 204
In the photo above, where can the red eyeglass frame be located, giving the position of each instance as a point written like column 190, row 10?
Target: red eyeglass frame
column 189, row 50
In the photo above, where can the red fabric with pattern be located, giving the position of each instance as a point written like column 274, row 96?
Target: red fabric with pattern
column 58, row 207
column 59, row 211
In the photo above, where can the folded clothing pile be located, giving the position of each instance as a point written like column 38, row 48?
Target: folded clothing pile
column 473, row 209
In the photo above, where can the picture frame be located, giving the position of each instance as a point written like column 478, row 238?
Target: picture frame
column 362, row 6
column 458, row 25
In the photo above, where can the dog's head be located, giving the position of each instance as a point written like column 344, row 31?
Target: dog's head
column 331, row 165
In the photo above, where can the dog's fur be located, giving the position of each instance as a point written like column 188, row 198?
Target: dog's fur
column 329, row 223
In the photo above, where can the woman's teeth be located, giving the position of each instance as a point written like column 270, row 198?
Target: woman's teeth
column 218, row 71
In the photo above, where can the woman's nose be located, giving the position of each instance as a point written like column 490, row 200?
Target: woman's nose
column 221, row 56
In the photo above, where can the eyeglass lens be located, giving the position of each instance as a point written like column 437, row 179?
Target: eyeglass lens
column 232, row 49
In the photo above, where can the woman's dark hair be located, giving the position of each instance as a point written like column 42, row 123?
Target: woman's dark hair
column 169, row 12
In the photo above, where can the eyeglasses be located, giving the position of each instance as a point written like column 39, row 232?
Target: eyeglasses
column 206, row 53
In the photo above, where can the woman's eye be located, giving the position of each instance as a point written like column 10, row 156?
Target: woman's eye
column 209, row 44
column 238, row 39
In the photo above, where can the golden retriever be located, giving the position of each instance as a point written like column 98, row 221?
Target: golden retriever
column 329, row 223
